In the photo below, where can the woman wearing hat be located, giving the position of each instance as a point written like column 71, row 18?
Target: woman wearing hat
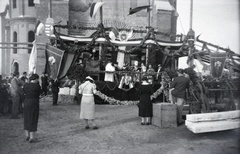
column 145, row 103
column 87, row 89
column 32, row 91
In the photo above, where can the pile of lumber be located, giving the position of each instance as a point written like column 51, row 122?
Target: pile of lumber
column 211, row 122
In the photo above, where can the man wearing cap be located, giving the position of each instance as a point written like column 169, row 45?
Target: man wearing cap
column 87, row 110
column 16, row 93
column 178, row 89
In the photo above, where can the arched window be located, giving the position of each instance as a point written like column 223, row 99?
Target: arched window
column 14, row 40
column 14, row 3
column 31, row 3
column 31, row 38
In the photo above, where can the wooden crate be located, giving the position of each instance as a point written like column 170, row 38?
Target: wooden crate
column 164, row 115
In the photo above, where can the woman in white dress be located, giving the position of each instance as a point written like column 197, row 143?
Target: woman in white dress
column 87, row 110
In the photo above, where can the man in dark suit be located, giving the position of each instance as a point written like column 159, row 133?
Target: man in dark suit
column 44, row 80
column 55, row 91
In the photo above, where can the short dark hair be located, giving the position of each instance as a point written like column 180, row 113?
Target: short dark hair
column 181, row 71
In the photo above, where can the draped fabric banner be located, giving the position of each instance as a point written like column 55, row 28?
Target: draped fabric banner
column 69, row 59
column 217, row 64
column 33, row 59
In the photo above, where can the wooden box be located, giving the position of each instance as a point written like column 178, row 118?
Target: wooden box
column 164, row 115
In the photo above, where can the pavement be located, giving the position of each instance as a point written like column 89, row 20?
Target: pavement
column 60, row 131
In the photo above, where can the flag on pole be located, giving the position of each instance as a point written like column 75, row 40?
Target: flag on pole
column 39, row 28
column 32, row 59
column 137, row 9
column 217, row 61
column 95, row 7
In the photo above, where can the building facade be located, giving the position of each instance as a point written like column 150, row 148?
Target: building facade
column 21, row 15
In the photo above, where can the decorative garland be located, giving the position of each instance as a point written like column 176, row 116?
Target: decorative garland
column 163, row 89
column 113, row 101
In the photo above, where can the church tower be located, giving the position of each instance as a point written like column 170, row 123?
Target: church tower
column 22, row 24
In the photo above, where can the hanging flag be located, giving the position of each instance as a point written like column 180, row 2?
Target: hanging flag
column 39, row 28
column 94, row 8
column 137, row 9
column 217, row 61
column 32, row 59
column 54, row 58
column 58, row 61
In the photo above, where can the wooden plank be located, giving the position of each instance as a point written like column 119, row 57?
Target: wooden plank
column 212, row 126
column 213, row 116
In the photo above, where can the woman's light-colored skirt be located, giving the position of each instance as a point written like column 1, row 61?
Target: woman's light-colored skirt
column 87, row 108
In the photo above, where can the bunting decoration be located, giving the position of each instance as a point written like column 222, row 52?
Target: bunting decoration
column 137, row 9
column 94, row 8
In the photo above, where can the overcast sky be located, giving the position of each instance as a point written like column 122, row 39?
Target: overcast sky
column 216, row 20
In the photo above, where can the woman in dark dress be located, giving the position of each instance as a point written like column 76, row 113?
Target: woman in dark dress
column 32, row 91
column 145, row 103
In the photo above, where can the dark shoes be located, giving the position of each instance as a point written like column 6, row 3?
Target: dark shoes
column 32, row 140
column 27, row 139
column 145, row 123
column 94, row 127
column 87, row 127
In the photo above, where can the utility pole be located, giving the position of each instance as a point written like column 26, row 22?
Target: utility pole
column 50, row 8
column 191, row 37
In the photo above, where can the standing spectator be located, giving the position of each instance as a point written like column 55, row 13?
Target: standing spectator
column 32, row 91
column 143, row 70
column 55, row 91
column 16, row 93
column 24, row 78
column 177, row 93
column 109, row 76
column 7, row 96
column 44, row 81
column 150, row 73
column 4, row 97
column 87, row 89
column 145, row 103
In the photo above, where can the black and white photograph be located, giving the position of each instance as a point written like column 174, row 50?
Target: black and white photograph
column 119, row 77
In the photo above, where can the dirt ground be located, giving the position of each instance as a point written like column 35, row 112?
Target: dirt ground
column 60, row 131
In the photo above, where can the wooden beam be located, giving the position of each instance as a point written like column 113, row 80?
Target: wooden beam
column 213, row 116
column 212, row 126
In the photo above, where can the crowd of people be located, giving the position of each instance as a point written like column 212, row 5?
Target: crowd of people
column 21, row 95
column 178, row 93
column 12, row 93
